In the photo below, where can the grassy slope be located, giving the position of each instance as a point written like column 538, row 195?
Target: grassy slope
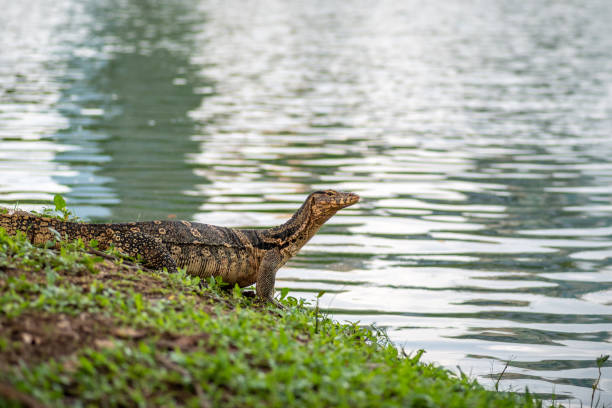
column 79, row 329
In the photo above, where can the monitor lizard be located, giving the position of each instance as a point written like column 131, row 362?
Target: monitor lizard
column 238, row 256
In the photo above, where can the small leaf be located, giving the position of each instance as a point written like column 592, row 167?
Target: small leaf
column 417, row 356
column 283, row 293
column 138, row 302
column 59, row 201
column 86, row 365
column 94, row 243
column 321, row 293
column 57, row 235
column 602, row 359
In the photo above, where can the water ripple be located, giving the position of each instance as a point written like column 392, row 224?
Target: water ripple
column 477, row 134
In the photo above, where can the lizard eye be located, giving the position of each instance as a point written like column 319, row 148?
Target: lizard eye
column 329, row 193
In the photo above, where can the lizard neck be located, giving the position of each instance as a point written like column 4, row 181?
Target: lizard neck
column 291, row 236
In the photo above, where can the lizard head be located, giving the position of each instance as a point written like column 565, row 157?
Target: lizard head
column 324, row 204
column 319, row 207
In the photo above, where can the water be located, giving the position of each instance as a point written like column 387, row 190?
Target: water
column 477, row 132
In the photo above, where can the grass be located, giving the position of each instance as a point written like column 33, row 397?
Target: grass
column 81, row 329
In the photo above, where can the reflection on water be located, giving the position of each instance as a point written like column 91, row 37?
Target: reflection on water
column 137, row 99
column 477, row 135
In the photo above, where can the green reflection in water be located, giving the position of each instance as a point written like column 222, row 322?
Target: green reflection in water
column 138, row 99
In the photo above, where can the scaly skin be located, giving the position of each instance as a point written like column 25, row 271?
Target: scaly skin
column 242, row 256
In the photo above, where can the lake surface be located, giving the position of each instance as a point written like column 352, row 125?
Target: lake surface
column 478, row 133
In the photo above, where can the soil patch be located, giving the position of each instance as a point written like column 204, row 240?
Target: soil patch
column 34, row 337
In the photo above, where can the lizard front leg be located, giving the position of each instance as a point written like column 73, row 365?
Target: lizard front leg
column 266, row 275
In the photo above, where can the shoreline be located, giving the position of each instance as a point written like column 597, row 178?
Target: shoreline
column 90, row 328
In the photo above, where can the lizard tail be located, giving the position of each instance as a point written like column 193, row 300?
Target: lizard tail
column 6, row 220
column 38, row 229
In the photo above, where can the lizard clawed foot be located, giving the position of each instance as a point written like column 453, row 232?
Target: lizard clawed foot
column 277, row 304
column 267, row 301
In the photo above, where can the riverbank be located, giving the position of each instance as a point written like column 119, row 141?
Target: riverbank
column 81, row 328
